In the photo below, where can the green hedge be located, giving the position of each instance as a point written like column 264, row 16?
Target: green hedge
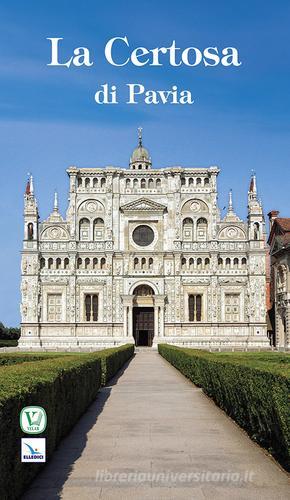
column 64, row 386
column 252, row 389
column 8, row 343
column 15, row 358
column 113, row 359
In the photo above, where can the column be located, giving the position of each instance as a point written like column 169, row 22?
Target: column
column 162, row 321
column 156, row 321
column 125, row 314
column 130, row 321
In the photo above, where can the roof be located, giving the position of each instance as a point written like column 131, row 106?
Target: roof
column 284, row 223
column 280, row 232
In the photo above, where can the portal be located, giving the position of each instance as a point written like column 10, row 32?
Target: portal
column 143, row 326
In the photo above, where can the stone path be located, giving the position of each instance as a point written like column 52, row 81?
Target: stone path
column 153, row 435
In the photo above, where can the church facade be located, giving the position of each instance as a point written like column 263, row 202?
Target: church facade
column 143, row 256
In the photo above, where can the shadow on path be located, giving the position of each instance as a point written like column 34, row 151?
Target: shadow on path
column 50, row 480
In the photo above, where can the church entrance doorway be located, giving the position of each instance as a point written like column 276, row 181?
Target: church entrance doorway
column 143, row 326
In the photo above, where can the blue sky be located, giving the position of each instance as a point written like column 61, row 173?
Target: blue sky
column 49, row 120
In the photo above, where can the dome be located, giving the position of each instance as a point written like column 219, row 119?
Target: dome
column 140, row 154
column 140, row 158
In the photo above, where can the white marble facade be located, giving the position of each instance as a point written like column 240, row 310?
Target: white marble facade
column 143, row 256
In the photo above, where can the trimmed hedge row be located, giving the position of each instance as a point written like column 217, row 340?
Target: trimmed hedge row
column 15, row 358
column 64, row 387
column 256, row 397
column 113, row 359
column 8, row 343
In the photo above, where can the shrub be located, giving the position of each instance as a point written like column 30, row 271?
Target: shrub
column 15, row 357
column 252, row 389
column 9, row 343
column 64, row 386
column 113, row 359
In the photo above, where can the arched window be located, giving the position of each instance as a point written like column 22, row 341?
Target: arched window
column 198, row 181
column 79, row 263
column 128, row 183
column 183, row 263
column 87, row 182
column 191, row 264
column 150, row 183
column 199, row 263
column 140, row 167
column 58, row 263
column 84, row 233
column 187, row 229
column 50, row 263
column 95, row 182
column 143, row 290
column 66, row 263
column 103, row 263
column 206, row 181
column 244, row 262
column 136, row 262
column 30, row 231
column 150, row 263
column 182, row 181
column 98, row 229
column 143, row 183
column 103, row 181
column 80, row 182
column 236, row 263
column 228, row 262
column 95, row 263
column 158, row 183
column 194, row 307
column 206, row 263
column 91, row 307
column 190, row 181
column 220, row 262
column 256, row 230
column 42, row 263
column 135, row 183
column 143, row 263
column 87, row 263
column 201, row 228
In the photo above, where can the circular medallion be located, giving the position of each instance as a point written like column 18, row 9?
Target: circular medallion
column 195, row 206
column 55, row 233
column 232, row 232
column 143, row 236
column 91, row 206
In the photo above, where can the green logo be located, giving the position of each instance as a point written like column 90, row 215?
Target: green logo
column 33, row 419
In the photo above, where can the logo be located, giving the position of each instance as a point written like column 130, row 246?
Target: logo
column 33, row 419
column 33, row 449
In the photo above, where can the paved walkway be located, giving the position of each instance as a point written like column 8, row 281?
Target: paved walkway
column 152, row 420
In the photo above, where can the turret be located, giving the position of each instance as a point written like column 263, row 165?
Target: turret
column 256, row 223
column 30, row 213
column 140, row 159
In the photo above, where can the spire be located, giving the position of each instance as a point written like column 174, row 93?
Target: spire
column 230, row 207
column 253, row 184
column 31, row 185
column 140, row 137
column 55, row 216
column 55, row 204
column 27, row 189
column 231, row 216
